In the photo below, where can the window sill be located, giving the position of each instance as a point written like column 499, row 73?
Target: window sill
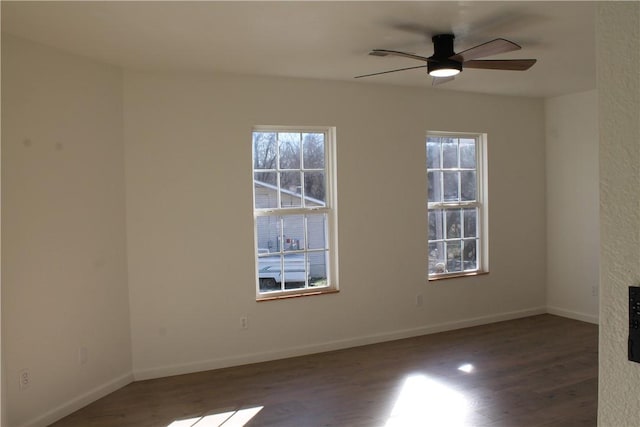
column 456, row 276
column 297, row 295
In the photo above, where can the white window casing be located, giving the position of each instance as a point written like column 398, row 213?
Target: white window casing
column 457, row 208
column 294, row 207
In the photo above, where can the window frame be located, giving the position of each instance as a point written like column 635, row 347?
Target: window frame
column 480, row 203
column 330, row 210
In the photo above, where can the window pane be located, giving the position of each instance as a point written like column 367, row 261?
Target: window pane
column 295, row 271
column 436, row 225
column 266, row 178
column 433, row 155
column 470, row 220
column 434, row 186
column 451, row 186
column 269, row 266
column 264, row 150
column 454, row 257
column 290, row 189
column 317, row 231
column 264, row 190
column 268, row 234
column 314, row 189
column 453, row 224
column 289, row 150
column 318, row 269
column 468, row 153
column 293, row 233
column 267, row 279
column 468, row 185
column 450, row 154
column 436, row 258
column 313, row 150
column 469, row 255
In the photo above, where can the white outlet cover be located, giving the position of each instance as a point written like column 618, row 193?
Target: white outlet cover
column 24, row 379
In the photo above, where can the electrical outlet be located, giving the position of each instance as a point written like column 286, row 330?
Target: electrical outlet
column 244, row 322
column 419, row 300
column 594, row 291
column 25, row 379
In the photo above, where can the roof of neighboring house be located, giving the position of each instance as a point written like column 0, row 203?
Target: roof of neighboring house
column 289, row 192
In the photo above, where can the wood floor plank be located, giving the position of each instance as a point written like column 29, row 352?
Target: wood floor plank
column 539, row 371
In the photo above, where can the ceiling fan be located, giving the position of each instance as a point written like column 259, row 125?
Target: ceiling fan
column 444, row 64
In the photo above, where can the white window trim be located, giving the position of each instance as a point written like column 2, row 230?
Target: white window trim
column 482, row 203
column 330, row 209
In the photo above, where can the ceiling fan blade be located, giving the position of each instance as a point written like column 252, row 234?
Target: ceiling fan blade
column 493, row 47
column 385, row 52
column 440, row 80
column 501, row 64
column 390, row 71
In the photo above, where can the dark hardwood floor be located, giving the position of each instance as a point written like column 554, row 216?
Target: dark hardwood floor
column 537, row 371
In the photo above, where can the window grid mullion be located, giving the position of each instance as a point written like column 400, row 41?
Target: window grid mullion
column 458, row 171
column 462, row 223
column 453, row 205
column 279, row 192
column 303, row 202
column 306, row 249
column 445, row 247
column 281, row 251
column 445, row 223
column 290, row 211
column 441, row 173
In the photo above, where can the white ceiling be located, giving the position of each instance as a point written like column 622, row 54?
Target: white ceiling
column 324, row 40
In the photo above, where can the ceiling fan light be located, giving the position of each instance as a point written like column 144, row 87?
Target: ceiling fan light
column 444, row 67
column 444, row 72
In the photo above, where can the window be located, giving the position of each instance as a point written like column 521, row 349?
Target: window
column 456, row 204
column 294, row 211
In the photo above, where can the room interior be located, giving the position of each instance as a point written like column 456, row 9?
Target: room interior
column 127, row 227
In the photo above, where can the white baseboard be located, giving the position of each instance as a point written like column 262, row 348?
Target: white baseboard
column 80, row 401
column 573, row 315
column 205, row 365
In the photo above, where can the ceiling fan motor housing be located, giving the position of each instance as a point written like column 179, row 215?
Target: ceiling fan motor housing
column 442, row 46
column 442, row 51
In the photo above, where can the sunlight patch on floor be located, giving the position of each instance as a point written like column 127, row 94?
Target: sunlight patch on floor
column 425, row 402
column 221, row 419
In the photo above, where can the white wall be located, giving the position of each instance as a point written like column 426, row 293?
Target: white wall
column 189, row 184
column 573, row 238
column 64, row 278
column 618, row 61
